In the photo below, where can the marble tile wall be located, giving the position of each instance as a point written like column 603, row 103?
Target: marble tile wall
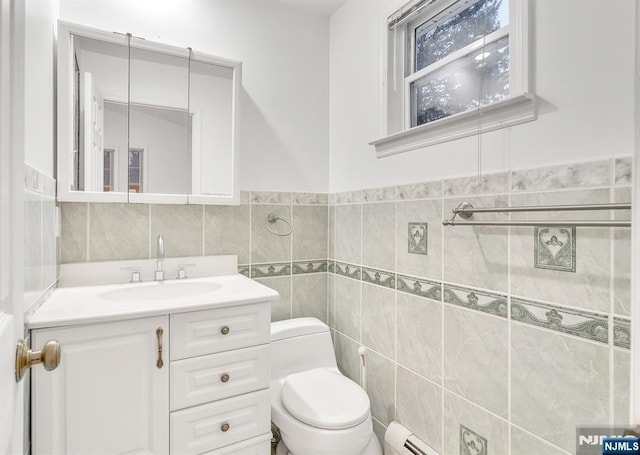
column 486, row 340
column 295, row 265
column 40, row 273
column 479, row 338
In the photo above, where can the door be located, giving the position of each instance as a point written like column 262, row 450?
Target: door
column 110, row 395
column 93, row 105
column 11, row 213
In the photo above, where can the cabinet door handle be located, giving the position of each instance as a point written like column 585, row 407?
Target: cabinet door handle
column 224, row 330
column 225, row 427
column 224, row 378
column 159, row 332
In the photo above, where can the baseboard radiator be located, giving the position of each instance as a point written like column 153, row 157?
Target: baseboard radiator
column 398, row 440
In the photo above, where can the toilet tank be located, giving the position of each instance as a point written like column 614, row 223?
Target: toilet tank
column 300, row 344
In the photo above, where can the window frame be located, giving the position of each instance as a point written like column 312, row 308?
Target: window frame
column 397, row 136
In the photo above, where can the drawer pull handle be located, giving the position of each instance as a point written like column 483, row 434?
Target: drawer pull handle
column 159, row 332
column 225, row 427
column 224, row 378
column 224, row 330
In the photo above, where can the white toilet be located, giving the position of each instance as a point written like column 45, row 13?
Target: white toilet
column 317, row 409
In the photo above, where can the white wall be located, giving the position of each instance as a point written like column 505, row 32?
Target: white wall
column 584, row 68
column 285, row 54
column 40, row 17
column 163, row 136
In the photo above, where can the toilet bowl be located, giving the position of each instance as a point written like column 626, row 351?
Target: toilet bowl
column 317, row 409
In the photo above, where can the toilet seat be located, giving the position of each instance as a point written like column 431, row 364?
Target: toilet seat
column 325, row 399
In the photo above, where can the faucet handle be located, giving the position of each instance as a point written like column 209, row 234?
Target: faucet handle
column 182, row 270
column 135, row 274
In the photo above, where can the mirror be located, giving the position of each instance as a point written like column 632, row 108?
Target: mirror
column 143, row 121
column 159, row 156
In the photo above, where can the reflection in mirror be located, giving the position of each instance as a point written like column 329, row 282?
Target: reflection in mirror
column 159, row 155
column 211, row 109
column 144, row 122
column 100, row 73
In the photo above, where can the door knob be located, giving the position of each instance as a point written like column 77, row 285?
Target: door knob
column 49, row 357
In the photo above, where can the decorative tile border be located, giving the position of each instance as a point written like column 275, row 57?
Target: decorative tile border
column 379, row 277
column 301, row 267
column 420, row 287
column 310, row 198
column 423, row 190
column 576, row 175
column 583, row 324
column 471, row 443
column 331, row 266
column 417, row 241
column 348, row 270
column 267, row 270
column 474, row 299
column 349, row 197
column 555, row 248
column 245, row 197
column 623, row 171
column 244, row 270
column 622, row 333
column 379, row 194
column 34, row 180
column 270, row 197
column 487, row 184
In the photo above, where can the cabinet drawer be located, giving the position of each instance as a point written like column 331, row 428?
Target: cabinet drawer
column 200, row 429
column 254, row 446
column 222, row 329
column 212, row 377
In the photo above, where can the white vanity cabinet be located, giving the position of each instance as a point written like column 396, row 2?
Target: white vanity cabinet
column 108, row 395
column 220, row 379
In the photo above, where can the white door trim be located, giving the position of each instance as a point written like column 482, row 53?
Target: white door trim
column 12, row 47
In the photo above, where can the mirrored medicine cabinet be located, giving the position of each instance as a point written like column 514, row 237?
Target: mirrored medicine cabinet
column 145, row 122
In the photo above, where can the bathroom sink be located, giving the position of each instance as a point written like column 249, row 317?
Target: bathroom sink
column 160, row 290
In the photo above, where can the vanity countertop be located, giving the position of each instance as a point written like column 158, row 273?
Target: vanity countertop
column 106, row 303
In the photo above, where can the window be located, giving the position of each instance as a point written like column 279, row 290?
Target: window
column 453, row 68
column 108, row 170
column 136, row 164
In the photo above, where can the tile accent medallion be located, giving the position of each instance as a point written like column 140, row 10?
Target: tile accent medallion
column 417, row 243
column 487, row 302
column 309, row 267
column 348, row 270
column 472, row 443
column 266, row 270
column 622, row 333
column 420, row 287
column 555, row 248
column 379, row 277
column 583, row 324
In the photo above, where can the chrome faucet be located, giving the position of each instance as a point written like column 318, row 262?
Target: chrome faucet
column 160, row 261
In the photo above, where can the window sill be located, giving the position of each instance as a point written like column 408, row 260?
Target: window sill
column 503, row 114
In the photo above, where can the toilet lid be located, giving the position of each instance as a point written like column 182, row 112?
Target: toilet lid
column 325, row 399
